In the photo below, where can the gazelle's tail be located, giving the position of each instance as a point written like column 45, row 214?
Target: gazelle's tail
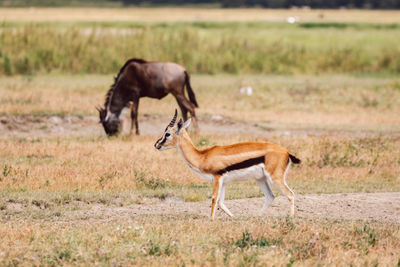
column 294, row 159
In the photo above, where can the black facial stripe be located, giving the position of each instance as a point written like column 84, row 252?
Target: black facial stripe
column 162, row 140
column 242, row 165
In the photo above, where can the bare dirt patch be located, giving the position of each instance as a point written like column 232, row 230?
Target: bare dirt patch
column 41, row 126
column 383, row 207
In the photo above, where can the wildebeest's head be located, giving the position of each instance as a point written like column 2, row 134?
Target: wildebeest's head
column 109, row 121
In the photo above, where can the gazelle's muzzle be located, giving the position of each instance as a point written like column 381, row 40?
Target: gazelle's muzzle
column 159, row 144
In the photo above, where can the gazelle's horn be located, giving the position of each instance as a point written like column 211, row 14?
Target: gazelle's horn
column 172, row 123
column 98, row 108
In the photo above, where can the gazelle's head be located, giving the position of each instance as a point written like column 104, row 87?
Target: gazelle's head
column 170, row 137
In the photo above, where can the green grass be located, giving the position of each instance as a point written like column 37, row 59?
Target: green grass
column 203, row 47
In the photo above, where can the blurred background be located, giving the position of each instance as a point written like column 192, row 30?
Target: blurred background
column 365, row 4
column 320, row 78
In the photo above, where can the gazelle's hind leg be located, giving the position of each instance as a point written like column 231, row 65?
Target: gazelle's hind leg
column 279, row 180
column 221, row 200
column 269, row 195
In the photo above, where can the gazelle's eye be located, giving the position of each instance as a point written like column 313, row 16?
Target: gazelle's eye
column 167, row 134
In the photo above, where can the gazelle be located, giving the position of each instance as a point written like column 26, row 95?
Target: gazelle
column 259, row 161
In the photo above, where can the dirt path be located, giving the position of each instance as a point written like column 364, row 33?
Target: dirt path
column 36, row 126
column 382, row 207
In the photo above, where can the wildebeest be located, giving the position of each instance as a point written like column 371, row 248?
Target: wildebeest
column 140, row 78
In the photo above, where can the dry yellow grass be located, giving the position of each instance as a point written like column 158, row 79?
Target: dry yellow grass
column 192, row 241
column 47, row 185
column 47, row 228
column 330, row 164
column 285, row 102
column 192, row 14
column 46, row 179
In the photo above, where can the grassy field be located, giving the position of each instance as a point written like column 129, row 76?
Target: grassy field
column 291, row 102
column 44, row 177
column 334, row 71
column 190, row 240
column 331, row 165
column 193, row 14
column 32, row 44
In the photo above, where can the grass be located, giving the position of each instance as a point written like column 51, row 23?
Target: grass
column 194, row 14
column 192, row 240
column 278, row 102
column 50, row 187
column 251, row 48
column 330, row 165
column 238, row 41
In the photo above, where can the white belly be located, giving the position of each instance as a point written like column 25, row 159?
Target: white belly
column 252, row 173
column 207, row 177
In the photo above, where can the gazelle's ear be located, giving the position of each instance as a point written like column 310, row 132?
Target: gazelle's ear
column 187, row 123
column 179, row 126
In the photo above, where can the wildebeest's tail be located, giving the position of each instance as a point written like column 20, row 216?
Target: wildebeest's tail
column 189, row 89
column 294, row 159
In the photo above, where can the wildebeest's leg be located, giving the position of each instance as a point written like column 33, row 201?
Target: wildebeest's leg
column 183, row 109
column 134, row 116
column 194, row 120
column 186, row 104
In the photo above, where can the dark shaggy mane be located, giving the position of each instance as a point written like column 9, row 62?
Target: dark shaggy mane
column 111, row 90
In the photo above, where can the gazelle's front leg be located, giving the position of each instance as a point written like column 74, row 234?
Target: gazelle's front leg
column 216, row 193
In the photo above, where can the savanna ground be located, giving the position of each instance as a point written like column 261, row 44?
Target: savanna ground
column 69, row 195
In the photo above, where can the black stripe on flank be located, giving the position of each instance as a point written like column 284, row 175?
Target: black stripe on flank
column 242, row 165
